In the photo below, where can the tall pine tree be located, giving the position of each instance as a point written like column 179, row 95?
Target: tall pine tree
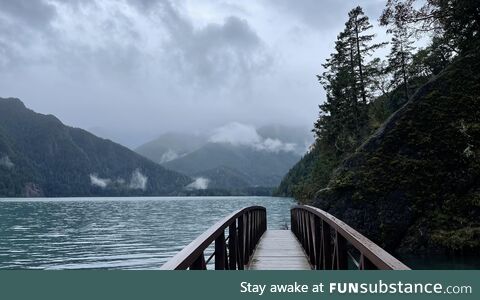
column 347, row 80
column 400, row 57
column 357, row 27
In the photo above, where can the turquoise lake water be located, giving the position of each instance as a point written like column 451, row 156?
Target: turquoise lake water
column 113, row 233
column 133, row 233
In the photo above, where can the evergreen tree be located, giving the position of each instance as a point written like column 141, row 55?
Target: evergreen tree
column 357, row 28
column 349, row 83
column 455, row 22
column 339, row 123
column 431, row 60
column 400, row 57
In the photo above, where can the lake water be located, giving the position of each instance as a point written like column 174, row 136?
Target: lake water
column 114, row 233
column 133, row 233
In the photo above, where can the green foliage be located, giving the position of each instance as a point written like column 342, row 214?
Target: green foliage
column 257, row 168
column 400, row 57
column 416, row 180
column 310, row 174
column 409, row 178
column 347, row 80
column 53, row 160
column 456, row 22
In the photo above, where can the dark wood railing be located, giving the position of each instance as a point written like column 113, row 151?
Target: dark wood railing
column 330, row 243
column 244, row 228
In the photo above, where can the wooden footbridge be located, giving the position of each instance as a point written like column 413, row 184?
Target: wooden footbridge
column 317, row 240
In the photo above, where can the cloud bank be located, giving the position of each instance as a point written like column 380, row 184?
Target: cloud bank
column 200, row 183
column 6, row 162
column 99, row 182
column 137, row 181
column 139, row 68
column 238, row 134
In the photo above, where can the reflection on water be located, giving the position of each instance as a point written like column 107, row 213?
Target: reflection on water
column 114, row 233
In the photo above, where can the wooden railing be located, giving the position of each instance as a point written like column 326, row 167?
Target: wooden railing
column 330, row 244
column 244, row 227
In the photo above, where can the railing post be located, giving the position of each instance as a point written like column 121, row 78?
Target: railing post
column 326, row 247
column 341, row 255
column 241, row 243
column 265, row 224
column 232, row 246
column 292, row 221
column 254, row 230
column 365, row 263
column 312, row 238
column 301, row 232
column 220, row 252
column 324, row 240
column 297, row 228
column 247, row 238
column 251, row 242
column 318, row 242
column 305, row 230
column 245, row 228
column 199, row 263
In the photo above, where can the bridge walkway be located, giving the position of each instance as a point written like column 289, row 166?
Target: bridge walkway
column 279, row 250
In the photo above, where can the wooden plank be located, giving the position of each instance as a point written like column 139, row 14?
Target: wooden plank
column 279, row 250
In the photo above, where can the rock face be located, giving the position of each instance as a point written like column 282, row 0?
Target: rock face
column 414, row 186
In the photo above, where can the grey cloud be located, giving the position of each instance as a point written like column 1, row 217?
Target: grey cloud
column 221, row 51
column 246, row 135
column 36, row 13
column 214, row 54
column 146, row 4
column 325, row 14
column 22, row 24
column 139, row 68
column 138, row 181
column 99, row 182
column 200, row 183
column 6, row 162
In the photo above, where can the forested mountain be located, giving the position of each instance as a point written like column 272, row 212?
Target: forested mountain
column 260, row 168
column 40, row 156
column 233, row 158
column 170, row 146
column 397, row 141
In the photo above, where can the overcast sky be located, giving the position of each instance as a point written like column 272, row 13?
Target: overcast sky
column 133, row 69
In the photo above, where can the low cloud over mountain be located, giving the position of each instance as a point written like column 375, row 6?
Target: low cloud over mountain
column 238, row 134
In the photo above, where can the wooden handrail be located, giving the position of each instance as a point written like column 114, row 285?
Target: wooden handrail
column 324, row 239
column 245, row 227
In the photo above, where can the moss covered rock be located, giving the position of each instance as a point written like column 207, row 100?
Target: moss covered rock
column 414, row 185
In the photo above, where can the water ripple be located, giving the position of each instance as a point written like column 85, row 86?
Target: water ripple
column 113, row 233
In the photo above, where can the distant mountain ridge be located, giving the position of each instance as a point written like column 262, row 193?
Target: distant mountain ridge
column 170, row 146
column 40, row 156
column 234, row 157
column 261, row 168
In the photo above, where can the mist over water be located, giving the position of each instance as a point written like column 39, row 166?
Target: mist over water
column 114, row 233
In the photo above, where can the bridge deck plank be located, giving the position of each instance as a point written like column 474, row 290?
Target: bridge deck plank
column 279, row 250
